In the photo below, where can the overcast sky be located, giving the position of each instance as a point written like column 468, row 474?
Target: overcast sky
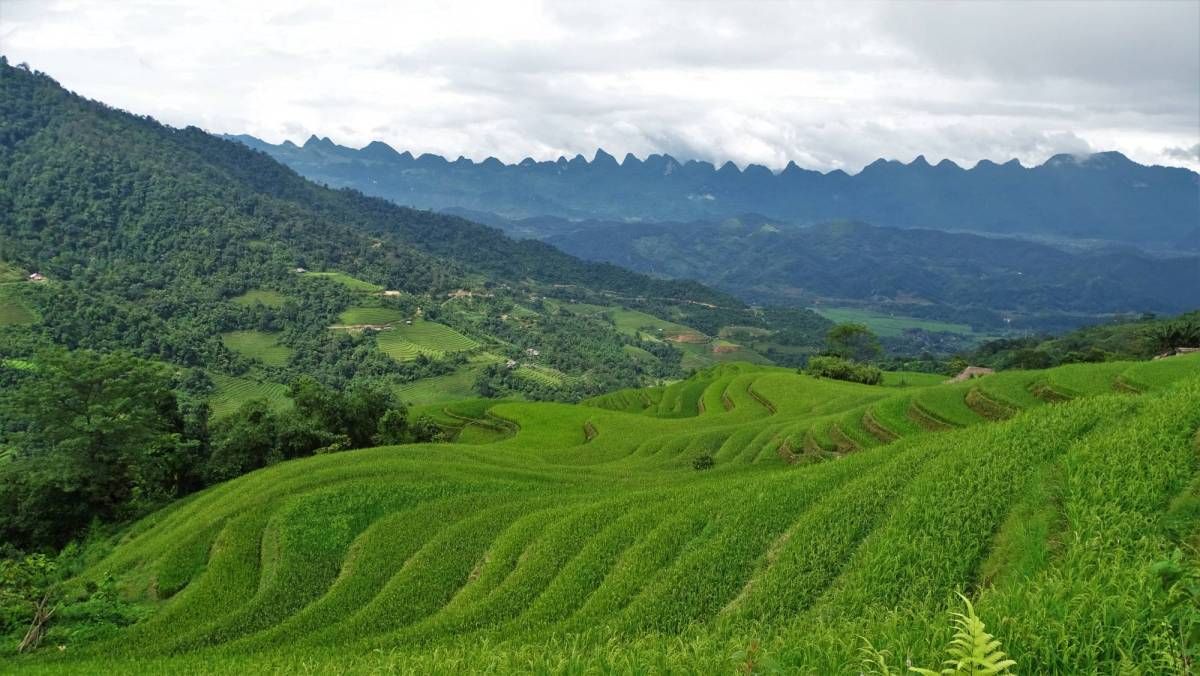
column 829, row 85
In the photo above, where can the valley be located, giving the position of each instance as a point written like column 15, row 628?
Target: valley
column 311, row 409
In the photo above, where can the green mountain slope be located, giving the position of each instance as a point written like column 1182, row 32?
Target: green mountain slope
column 167, row 241
column 586, row 541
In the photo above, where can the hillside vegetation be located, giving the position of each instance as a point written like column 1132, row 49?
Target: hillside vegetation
column 587, row 541
column 181, row 247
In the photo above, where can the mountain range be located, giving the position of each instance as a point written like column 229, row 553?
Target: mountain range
column 1104, row 196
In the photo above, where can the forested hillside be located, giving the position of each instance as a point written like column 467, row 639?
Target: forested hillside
column 150, row 238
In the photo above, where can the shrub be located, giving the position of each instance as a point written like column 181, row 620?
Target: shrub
column 703, row 462
column 844, row 369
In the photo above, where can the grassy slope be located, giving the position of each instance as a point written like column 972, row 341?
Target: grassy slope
column 264, row 296
column 585, row 541
column 258, row 345
column 13, row 310
column 10, row 273
column 351, row 283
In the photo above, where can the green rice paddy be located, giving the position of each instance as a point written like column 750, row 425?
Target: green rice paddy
column 583, row 541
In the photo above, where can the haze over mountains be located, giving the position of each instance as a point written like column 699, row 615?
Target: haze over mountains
column 915, row 270
column 1050, row 245
column 1104, row 196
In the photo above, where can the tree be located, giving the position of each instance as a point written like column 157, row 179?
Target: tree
column 843, row 369
column 852, row 341
column 244, row 441
column 392, row 428
column 93, row 433
column 1029, row 359
column 1175, row 333
column 27, row 591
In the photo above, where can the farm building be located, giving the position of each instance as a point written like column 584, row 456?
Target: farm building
column 37, row 277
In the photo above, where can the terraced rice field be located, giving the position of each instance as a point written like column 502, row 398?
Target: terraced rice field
column 258, row 345
column 586, row 543
column 231, row 392
column 403, row 342
column 541, row 374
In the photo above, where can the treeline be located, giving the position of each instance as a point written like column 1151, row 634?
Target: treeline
column 89, row 437
column 1123, row 338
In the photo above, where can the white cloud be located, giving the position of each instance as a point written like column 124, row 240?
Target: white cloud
column 829, row 85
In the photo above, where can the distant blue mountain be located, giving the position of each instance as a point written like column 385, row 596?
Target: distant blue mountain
column 1103, row 196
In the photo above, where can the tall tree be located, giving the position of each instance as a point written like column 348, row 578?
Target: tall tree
column 852, row 341
column 90, row 432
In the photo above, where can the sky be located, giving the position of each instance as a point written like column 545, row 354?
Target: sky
column 828, row 85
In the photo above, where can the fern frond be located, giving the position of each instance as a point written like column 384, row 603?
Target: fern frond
column 973, row 651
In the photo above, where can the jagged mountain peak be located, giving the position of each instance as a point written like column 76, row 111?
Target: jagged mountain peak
column 1110, row 197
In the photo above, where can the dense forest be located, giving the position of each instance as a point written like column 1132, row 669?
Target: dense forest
column 144, row 232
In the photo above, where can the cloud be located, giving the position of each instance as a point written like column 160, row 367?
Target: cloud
column 827, row 84
column 1184, row 154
